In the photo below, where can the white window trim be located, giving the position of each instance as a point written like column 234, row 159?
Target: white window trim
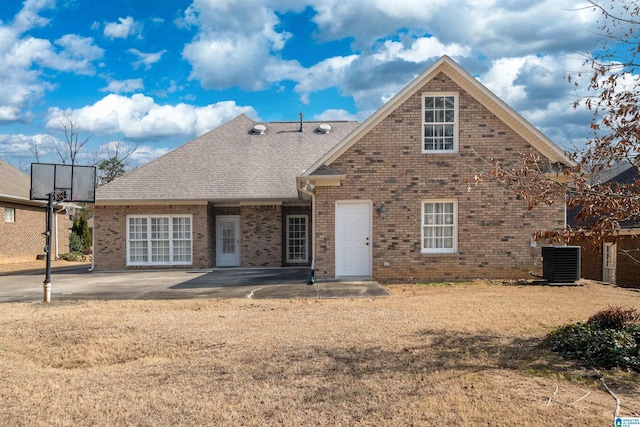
column 452, row 250
column 13, row 215
column 149, row 246
column 456, row 124
column 306, row 239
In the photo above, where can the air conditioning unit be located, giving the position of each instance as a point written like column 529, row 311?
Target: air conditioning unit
column 561, row 264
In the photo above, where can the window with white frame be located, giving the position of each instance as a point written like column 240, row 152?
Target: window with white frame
column 159, row 240
column 440, row 123
column 9, row 215
column 439, row 226
column 297, row 238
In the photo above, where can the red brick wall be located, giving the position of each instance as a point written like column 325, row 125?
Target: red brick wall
column 261, row 236
column 627, row 268
column 22, row 240
column 387, row 165
column 590, row 259
column 110, row 234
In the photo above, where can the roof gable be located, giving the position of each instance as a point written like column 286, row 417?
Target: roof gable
column 13, row 183
column 231, row 163
column 475, row 89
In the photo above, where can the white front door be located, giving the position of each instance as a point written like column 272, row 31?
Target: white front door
column 353, row 238
column 227, row 241
column 609, row 259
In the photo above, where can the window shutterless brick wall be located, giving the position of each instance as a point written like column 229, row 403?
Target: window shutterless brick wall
column 387, row 165
column 261, row 236
column 110, row 234
column 22, row 240
column 627, row 268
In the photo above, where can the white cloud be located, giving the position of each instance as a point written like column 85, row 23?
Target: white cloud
column 139, row 117
column 419, row 50
column 335, row 114
column 25, row 61
column 496, row 28
column 124, row 86
column 122, row 29
column 234, row 42
column 536, row 87
column 29, row 16
column 146, row 59
column 9, row 114
column 21, row 145
column 146, row 153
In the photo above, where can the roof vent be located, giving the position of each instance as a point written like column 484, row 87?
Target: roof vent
column 259, row 129
column 324, row 128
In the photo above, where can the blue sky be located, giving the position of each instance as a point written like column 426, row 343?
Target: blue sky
column 156, row 74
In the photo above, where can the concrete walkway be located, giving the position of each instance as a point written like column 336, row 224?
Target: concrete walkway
column 275, row 283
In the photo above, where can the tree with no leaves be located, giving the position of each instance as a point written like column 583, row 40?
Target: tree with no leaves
column 74, row 139
column 599, row 207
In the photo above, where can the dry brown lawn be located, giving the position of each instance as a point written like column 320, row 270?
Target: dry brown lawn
column 465, row 354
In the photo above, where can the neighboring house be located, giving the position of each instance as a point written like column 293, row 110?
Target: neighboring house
column 385, row 198
column 22, row 221
column 617, row 259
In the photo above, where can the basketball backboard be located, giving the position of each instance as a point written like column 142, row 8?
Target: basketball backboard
column 70, row 183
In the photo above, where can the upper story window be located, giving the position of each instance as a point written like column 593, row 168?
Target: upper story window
column 9, row 215
column 440, row 123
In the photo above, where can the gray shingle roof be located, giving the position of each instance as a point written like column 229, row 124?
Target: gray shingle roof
column 230, row 163
column 13, row 183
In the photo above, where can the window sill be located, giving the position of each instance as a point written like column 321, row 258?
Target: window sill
column 439, row 254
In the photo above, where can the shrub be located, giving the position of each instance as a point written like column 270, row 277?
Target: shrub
column 81, row 229
column 75, row 242
column 72, row 256
column 615, row 317
column 609, row 339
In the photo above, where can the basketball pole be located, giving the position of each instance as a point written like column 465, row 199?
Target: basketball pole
column 47, row 278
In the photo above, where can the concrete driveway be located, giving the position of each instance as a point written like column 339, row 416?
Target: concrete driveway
column 270, row 283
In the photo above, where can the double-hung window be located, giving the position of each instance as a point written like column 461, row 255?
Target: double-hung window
column 159, row 240
column 439, row 226
column 9, row 215
column 440, row 122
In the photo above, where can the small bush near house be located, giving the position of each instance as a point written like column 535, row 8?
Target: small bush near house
column 72, row 256
column 80, row 237
column 609, row 339
column 75, row 243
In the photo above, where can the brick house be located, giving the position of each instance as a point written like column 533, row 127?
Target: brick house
column 617, row 259
column 22, row 221
column 385, row 198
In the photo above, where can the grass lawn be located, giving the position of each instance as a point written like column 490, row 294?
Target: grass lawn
column 465, row 354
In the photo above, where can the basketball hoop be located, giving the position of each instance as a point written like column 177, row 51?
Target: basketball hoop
column 69, row 210
column 58, row 184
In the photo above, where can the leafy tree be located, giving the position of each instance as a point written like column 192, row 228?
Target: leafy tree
column 612, row 76
column 115, row 165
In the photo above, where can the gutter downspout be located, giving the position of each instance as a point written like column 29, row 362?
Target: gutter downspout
column 93, row 245
column 312, row 194
column 57, row 229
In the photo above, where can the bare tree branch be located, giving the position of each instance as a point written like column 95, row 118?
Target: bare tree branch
column 74, row 139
